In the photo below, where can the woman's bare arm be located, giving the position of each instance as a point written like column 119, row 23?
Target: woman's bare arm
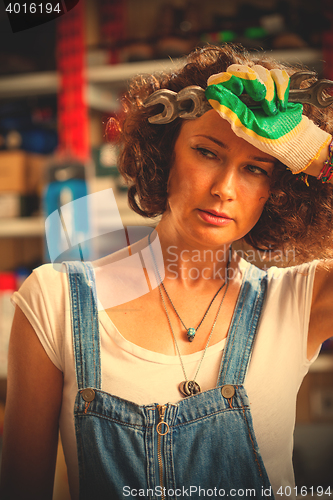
column 33, row 403
column 321, row 319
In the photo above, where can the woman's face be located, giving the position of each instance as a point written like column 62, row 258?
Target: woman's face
column 218, row 183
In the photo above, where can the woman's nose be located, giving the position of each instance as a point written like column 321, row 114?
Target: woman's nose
column 225, row 184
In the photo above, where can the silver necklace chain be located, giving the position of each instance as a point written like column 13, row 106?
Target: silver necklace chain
column 188, row 387
column 191, row 331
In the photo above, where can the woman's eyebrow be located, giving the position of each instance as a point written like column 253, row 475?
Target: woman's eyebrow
column 261, row 158
column 224, row 146
column 213, row 139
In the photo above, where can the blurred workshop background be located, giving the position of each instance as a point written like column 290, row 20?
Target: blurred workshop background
column 59, row 84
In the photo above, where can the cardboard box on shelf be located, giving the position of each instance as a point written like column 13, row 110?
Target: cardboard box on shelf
column 21, row 172
column 13, row 171
column 35, row 166
column 10, row 205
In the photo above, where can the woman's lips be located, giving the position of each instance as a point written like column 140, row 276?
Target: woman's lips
column 215, row 218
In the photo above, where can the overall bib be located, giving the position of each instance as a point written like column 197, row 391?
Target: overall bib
column 201, row 446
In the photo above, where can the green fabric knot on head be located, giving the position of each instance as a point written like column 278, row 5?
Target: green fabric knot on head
column 273, row 118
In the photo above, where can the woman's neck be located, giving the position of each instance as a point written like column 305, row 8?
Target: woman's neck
column 191, row 264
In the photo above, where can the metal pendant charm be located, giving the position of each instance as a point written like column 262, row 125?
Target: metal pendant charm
column 191, row 334
column 189, row 388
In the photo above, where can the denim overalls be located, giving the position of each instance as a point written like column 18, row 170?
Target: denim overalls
column 202, row 446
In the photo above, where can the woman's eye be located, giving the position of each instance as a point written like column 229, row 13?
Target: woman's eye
column 205, row 152
column 256, row 170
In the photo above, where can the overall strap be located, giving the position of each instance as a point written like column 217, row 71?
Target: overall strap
column 85, row 325
column 243, row 327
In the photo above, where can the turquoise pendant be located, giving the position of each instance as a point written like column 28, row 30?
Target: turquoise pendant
column 191, row 334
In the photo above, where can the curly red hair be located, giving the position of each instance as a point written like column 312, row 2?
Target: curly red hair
column 296, row 217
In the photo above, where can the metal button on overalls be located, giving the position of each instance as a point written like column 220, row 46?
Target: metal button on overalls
column 228, row 391
column 88, row 395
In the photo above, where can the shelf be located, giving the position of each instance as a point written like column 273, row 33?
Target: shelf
column 118, row 73
column 21, row 227
column 48, row 82
column 35, row 226
column 29, row 84
column 313, row 58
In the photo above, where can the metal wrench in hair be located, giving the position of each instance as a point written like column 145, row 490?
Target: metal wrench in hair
column 191, row 102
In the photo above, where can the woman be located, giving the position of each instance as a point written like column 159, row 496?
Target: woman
column 190, row 389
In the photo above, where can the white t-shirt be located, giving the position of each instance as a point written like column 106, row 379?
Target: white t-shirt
column 278, row 364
